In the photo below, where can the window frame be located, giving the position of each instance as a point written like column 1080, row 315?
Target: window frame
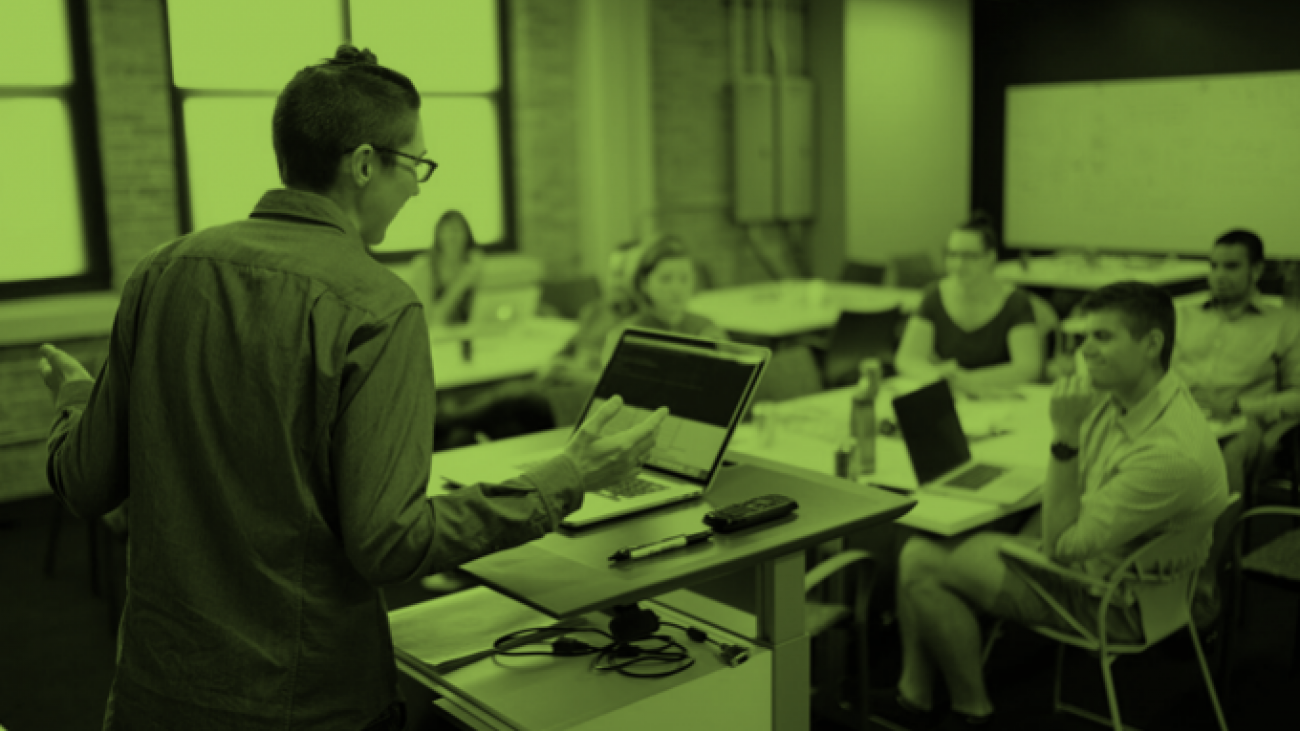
column 82, row 105
column 505, row 133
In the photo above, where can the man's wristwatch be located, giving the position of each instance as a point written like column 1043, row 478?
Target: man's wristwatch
column 1064, row 452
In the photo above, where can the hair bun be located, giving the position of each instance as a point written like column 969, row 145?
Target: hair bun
column 347, row 55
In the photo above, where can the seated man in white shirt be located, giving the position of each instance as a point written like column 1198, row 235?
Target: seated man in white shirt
column 1132, row 456
column 1238, row 354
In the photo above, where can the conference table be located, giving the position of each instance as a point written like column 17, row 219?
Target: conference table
column 473, row 355
column 566, row 575
column 788, row 307
column 1079, row 272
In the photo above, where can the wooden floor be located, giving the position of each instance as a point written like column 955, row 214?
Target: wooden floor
column 57, row 653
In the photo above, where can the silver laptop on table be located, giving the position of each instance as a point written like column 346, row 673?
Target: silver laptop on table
column 940, row 452
column 706, row 385
column 503, row 306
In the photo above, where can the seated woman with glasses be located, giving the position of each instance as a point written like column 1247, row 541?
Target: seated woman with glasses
column 972, row 328
column 663, row 282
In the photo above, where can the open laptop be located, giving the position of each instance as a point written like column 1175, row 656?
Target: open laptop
column 706, row 385
column 503, row 306
column 940, row 453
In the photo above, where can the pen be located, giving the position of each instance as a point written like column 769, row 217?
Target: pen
column 667, row 544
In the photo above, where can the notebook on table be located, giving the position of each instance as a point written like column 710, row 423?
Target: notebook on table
column 706, row 385
column 940, row 453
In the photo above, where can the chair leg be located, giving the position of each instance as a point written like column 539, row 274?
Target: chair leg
column 1111, row 698
column 52, row 543
column 1060, row 669
column 1209, row 680
column 92, row 536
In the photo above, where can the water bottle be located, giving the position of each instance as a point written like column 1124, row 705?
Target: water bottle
column 863, row 417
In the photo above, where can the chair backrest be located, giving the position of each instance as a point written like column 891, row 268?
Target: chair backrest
column 911, row 270
column 792, row 372
column 862, row 273
column 1166, row 606
column 859, row 335
column 1049, row 326
column 569, row 296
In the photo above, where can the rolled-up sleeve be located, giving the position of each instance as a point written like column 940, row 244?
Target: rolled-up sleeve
column 381, row 450
column 1145, row 490
column 87, row 463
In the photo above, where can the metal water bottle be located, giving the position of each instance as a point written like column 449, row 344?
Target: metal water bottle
column 863, row 416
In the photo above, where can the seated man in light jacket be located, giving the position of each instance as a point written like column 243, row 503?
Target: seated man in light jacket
column 1132, row 457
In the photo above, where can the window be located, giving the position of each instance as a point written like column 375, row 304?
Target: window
column 227, row 73
column 53, row 236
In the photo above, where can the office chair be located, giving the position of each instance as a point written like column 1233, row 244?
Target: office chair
column 1276, row 564
column 1165, row 608
column 568, row 297
column 792, row 372
column 911, row 271
column 859, row 335
column 862, row 273
column 1049, row 334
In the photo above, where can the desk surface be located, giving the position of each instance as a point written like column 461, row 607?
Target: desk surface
column 568, row 573
column 794, row 306
column 496, row 353
column 1074, row 271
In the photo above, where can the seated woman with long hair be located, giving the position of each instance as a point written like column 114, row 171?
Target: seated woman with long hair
column 977, row 331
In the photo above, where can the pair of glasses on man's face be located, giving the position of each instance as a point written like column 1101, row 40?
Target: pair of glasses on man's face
column 423, row 168
column 966, row 255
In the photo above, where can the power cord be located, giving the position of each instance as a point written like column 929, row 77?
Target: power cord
column 631, row 626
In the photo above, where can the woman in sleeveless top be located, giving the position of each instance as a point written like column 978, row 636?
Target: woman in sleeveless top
column 972, row 328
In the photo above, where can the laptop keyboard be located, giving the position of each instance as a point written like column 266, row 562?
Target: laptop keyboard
column 627, row 488
column 632, row 488
column 976, row 476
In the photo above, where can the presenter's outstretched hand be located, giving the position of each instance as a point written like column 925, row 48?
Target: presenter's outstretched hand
column 57, row 368
column 605, row 459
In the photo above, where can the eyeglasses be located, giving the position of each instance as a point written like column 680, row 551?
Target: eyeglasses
column 423, row 168
column 967, row 255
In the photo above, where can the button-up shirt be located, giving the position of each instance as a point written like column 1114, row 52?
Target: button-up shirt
column 268, row 406
column 1155, row 468
column 1247, row 359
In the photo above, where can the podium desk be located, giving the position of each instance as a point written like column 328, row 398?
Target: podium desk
column 567, row 575
column 1077, row 272
column 495, row 352
column 795, row 306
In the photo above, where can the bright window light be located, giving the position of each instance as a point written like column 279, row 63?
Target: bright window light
column 250, row 44
column 444, row 46
column 35, row 51
column 46, row 239
column 462, row 137
column 230, row 156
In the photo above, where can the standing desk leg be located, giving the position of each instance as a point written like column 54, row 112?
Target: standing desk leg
column 781, row 625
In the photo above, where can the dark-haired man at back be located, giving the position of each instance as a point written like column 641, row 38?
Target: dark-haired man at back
column 1239, row 354
column 268, row 407
column 1132, row 456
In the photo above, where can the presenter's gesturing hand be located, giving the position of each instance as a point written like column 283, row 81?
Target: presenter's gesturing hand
column 1073, row 398
column 57, row 368
column 607, row 460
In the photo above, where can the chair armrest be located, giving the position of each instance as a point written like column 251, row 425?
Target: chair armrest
column 835, row 563
column 1034, row 557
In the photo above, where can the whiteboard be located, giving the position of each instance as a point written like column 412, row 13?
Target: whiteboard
column 1154, row 165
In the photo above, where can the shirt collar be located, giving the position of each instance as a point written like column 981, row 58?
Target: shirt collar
column 1255, row 304
column 304, row 207
column 1139, row 418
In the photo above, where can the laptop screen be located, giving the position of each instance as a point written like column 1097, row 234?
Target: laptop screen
column 704, row 384
column 927, row 418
